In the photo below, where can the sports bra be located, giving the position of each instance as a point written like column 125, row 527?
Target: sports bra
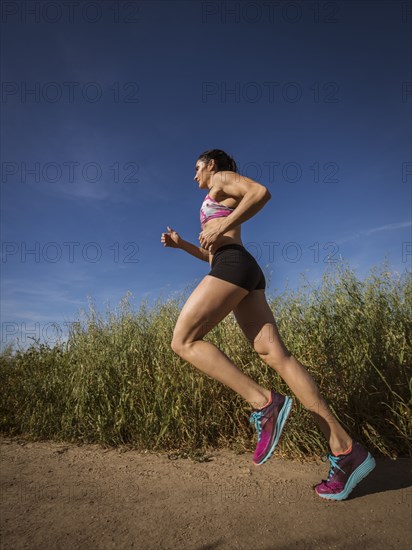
column 211, row 209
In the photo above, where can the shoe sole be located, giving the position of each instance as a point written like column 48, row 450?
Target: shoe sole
column 360, row 473
column 283, row 416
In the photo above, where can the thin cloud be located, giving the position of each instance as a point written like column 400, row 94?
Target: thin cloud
column 388, row 227
column 379, row 229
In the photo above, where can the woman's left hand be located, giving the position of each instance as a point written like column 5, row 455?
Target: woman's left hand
column 209, row 236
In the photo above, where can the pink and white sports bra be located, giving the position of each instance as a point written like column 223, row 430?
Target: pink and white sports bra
column 211, row 209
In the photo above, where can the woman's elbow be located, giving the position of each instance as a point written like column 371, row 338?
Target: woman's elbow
column 266, row 196
column 262, row 194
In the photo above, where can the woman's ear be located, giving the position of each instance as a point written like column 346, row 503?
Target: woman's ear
column 213, row 165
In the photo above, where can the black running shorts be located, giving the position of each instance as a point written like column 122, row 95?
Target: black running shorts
column 233, row 263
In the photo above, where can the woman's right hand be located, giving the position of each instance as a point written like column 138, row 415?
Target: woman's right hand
column 171, row 238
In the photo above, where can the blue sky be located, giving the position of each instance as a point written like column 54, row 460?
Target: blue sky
column 105, row 112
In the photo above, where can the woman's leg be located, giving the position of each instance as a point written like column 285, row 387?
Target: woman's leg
column 258, row 324
column 211, row 301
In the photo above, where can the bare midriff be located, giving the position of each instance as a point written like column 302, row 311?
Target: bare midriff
column 230, row 237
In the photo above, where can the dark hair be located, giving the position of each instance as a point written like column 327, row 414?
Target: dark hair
column 223, row 161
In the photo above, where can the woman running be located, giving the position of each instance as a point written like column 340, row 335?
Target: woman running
column 236, row 283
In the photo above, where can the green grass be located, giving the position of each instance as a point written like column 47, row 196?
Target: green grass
column 116, row 381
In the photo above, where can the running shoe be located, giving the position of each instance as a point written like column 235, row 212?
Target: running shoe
column 345, row 472
column 269, row 422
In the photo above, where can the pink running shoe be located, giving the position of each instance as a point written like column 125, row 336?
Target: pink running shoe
column 269, row 423
column 345, row 472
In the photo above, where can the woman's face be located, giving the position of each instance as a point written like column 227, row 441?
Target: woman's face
column 203, row 173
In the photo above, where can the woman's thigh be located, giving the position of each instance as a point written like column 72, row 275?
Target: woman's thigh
column 211, row 301
column 258, row 324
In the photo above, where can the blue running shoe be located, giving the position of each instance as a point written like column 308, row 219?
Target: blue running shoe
column 345, row 472
column 269, row 423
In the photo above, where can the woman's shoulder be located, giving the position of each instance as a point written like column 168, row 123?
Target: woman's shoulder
column 225, row 186
column 221, row 182
column 222, row 177
column 234, row 185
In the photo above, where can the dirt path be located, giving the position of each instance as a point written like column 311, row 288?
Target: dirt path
column 64, row 496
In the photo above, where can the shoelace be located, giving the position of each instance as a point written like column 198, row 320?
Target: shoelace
column 333, row 464
column 255, row 419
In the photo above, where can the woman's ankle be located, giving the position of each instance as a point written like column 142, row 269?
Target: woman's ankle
column 341, row 447
column 262, row 400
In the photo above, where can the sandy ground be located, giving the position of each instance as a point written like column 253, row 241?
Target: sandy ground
column 64, row 496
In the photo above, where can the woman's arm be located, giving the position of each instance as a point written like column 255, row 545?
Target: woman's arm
column 253, row 201
column 253, row 197
column 174, row 240
column 194, row 250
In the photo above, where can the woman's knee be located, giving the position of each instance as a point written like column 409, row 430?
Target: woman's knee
column 181, row 345
column 177, row 345
column 270, row 347
column 277, row 359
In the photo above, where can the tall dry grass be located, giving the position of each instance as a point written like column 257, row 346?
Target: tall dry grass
column 117, row 381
